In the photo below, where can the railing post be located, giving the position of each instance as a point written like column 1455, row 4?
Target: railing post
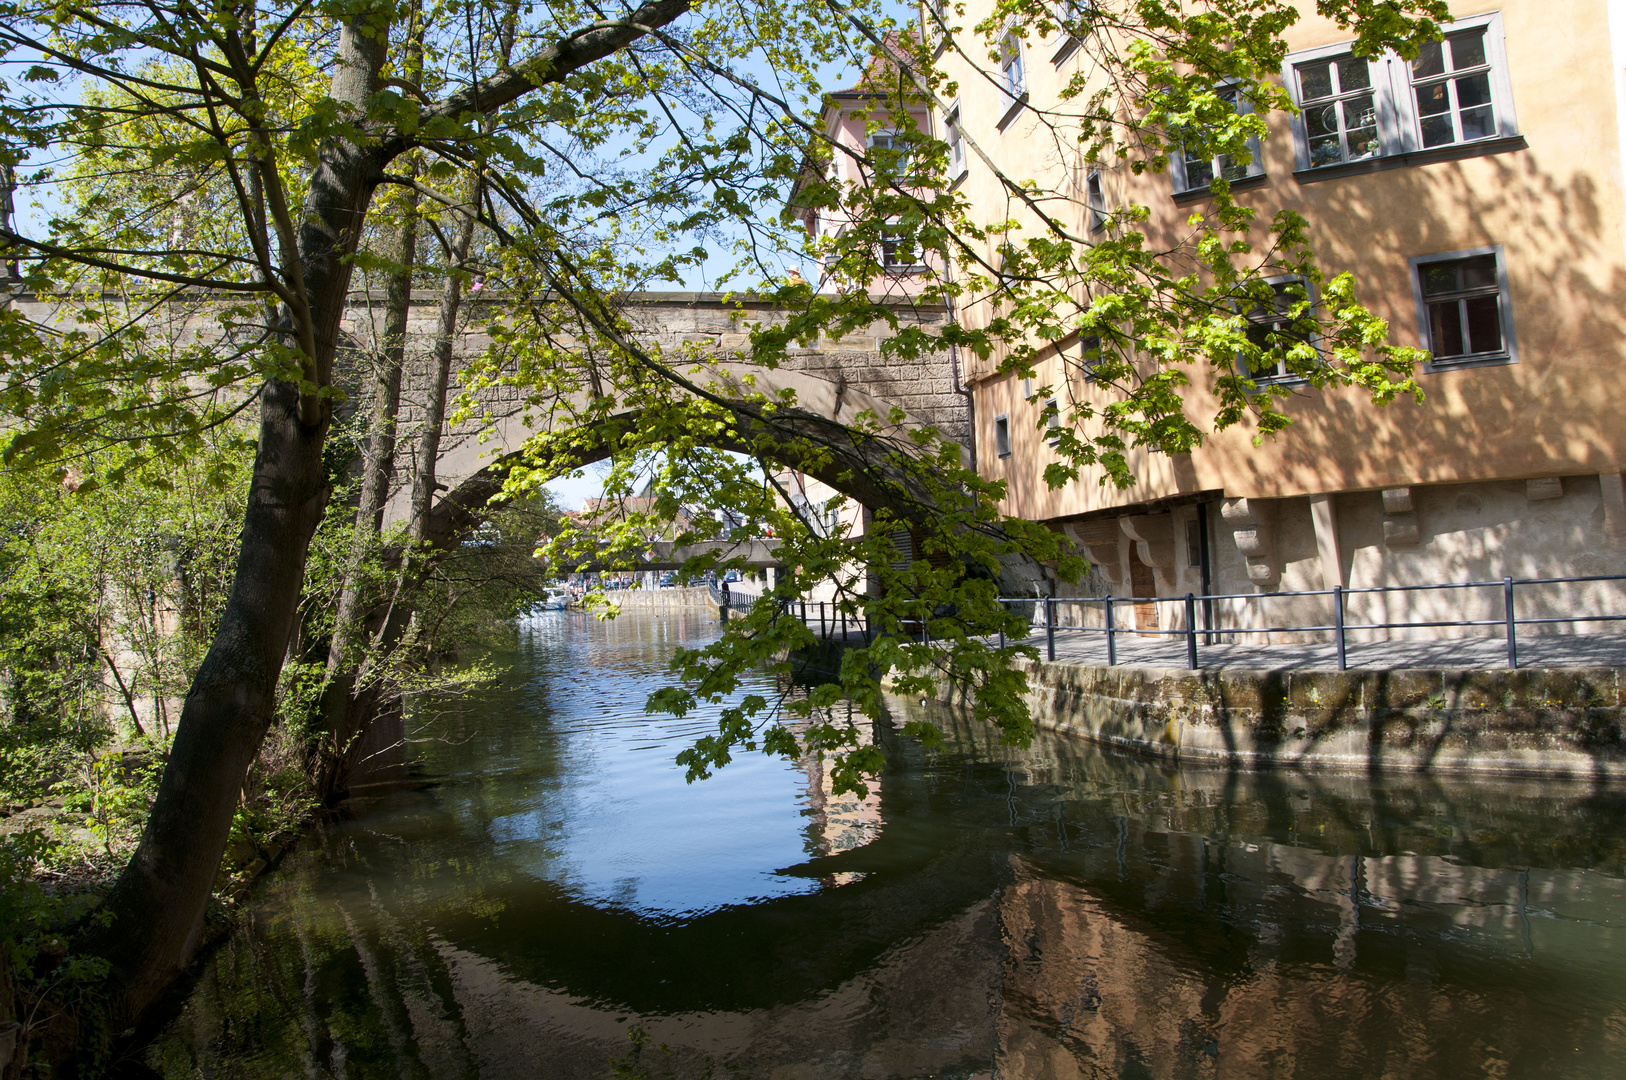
column 823, row 632
column 1050, row 627
column 1001, row 628
column 1112, row 636
column 1191, row 631
column 1338, row 624
column 1512, row 636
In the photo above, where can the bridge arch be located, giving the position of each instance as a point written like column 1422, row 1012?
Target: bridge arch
column 864, row 435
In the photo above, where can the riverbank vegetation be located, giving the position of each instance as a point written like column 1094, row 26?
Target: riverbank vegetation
column 225, row 422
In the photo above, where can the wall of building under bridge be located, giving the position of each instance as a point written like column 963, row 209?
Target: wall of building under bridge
column 1572, row 526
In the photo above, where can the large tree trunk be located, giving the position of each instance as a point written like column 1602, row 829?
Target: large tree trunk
column 440, row 364
column 154, row 914
column 156, row 908
column 378, row 471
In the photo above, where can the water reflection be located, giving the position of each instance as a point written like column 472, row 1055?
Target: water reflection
column 1057, row 912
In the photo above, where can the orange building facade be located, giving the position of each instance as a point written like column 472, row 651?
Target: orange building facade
column 1478, row 196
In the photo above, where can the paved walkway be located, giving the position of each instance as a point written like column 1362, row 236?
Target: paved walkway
column 1535, row 651
column 1546, row 650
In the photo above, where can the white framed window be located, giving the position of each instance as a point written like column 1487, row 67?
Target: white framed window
column 897, row 162
column 1074, row 19
column 1279, row 323
column 956, row 144
column 1096, row 200
column 1002, row 435
column 1013, row 78
column 1089, row 355
column 1464, row 314
column 899, row 252
column 934, row 22
column 1451, row 87
column 1052, row 433
column 1193, row 173
column 1338, row 99
column 1352, row 108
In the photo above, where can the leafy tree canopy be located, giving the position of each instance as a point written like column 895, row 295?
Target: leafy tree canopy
column 199, row 185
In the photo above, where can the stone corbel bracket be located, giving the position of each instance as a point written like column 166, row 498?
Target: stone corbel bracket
column 1399, row 519
column 1253, row 527
column 1153, row 535
column 1099, row 539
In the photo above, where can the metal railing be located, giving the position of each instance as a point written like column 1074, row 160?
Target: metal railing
column 731, row 598
column 1339, row 627
column 829, row 621
column 826, row 619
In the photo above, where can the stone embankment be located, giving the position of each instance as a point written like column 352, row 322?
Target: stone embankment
column 1549, row 722
column 659, row 601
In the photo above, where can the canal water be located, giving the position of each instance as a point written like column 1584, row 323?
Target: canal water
column 555, row 902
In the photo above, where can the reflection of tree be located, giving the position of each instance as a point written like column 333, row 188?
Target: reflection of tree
column 1059, row 911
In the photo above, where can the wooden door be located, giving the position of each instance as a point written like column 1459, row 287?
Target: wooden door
column 1141, row 584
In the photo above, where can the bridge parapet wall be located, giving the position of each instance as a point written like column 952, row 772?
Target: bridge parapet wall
column 923, row 388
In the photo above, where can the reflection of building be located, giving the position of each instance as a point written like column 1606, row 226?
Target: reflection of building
column 838, row 823
column 1488, row 233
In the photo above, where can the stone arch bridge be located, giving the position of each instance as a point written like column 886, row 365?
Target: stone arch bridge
column 835, row 382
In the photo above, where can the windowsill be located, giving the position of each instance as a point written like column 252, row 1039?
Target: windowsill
column 1183, row 198
column 959, row 178
column 1440, row 367
column 1455, row 152
column 1068, row 48
column 1011, row 113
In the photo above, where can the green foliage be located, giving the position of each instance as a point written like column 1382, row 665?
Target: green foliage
column 109, row 594
column 186, row 156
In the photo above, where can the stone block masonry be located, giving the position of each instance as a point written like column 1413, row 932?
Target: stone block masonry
column 1534, row 722
column 716, row 325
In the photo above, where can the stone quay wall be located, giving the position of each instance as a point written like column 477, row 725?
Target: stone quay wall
column 1532, row 722
column 659, row 601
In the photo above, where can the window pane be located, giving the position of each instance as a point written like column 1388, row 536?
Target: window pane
column 1467, row 50
column 1445, row 329
column 1353, row 74
column 1433, row 99
column 1441, row 277
column 1484, row 324
column 1315, row 80
column 1479, row 272
column 1437, row 131
column 1473, row 90
column 1322, row 120
column 1478, row 124
column 1326, row 150
column 1198, row 174
column 1363, row 143
column 1231, row 170
column 1429, row 61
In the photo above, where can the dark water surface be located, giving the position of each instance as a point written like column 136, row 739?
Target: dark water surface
column 560, row 904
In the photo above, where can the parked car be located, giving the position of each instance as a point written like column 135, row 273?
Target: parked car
column 732, row 575
column 669, row 580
